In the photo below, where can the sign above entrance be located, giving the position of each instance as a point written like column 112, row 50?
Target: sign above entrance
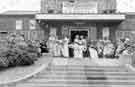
column 80, row 7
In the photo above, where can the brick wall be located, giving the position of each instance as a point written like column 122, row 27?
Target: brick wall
column 8, row 24
column 126, row 28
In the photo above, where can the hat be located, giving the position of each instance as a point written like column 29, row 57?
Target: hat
column 127, row 39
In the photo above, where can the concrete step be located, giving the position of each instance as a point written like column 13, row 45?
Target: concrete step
column 70, row 85
column 91, row 73
column 82, row 76
column 65, row 81
column 89, row 77
column 86, row 66
column 92, row 70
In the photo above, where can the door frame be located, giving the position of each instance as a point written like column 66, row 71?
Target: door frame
column 79, row 29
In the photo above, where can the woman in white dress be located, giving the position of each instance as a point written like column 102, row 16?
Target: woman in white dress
column 75, row 46
column 65, row 47
column 51, row 46
column 55, row 47
column 59, row 48
column 81, row 49
column 78, row 48
column 84, row 44
column 108, row 50
column 93, row 52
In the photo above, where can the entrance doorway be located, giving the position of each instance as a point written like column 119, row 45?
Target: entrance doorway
column 74, row 32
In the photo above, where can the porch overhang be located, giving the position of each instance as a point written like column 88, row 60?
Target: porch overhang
column 94, row 17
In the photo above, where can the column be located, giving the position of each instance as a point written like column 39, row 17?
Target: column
column 64, row 30
column 93, row 33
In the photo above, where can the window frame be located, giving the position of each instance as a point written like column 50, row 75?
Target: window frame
column 32, row 24
column 19, row 24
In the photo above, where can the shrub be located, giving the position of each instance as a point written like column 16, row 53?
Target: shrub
column 17, row 56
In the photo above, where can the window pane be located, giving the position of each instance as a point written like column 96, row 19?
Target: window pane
column 19, row 24
column 106, row 32
column 32, row 24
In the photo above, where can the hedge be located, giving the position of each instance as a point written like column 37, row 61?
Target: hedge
column 18, row 56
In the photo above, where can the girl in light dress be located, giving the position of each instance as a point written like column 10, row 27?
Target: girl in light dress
column 51, row 44
column 66, row 47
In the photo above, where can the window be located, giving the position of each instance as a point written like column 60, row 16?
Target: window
column 106, row 32
column 125, row 34
column 19, row 24
column 3, row 35
column 32, row 24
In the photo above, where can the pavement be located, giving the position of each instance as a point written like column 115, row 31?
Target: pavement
column 17, row 74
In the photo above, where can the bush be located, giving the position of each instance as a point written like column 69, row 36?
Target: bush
column 17, row 56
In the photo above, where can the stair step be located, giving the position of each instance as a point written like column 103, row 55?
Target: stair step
column 69, row 85
column 90, row 77
column 82, row 66
column 82, row 76
column 90, row 73
column 90, row 70
column 63, row 81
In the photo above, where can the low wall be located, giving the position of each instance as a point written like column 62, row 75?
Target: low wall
column 127, row 59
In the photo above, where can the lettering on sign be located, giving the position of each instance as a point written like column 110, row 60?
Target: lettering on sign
column 80, row 7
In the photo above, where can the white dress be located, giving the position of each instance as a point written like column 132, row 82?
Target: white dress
column 65, row 48
column 84, row 44
column 52, row 45
column 93, row 53
column 78, row 49
column 80, row 54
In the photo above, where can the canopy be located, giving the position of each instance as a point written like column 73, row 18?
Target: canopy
column 81, row 16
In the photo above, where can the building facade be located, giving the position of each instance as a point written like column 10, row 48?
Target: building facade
column 20, row 22
column 95, row 19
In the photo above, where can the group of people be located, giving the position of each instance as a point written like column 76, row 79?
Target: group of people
column 80, row 48
column 65, row 48
column 58, row 47
column 107, row 49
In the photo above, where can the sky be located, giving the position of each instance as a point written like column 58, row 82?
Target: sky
column 34, row 5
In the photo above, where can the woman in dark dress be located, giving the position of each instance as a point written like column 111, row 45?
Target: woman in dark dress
column 43, row 47
column 71, row 51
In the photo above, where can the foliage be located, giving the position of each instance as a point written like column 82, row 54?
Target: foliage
column 16, row 52
column 17, row 56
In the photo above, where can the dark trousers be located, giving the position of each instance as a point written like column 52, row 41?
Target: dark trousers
column 86, row 53
column 71, row 52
